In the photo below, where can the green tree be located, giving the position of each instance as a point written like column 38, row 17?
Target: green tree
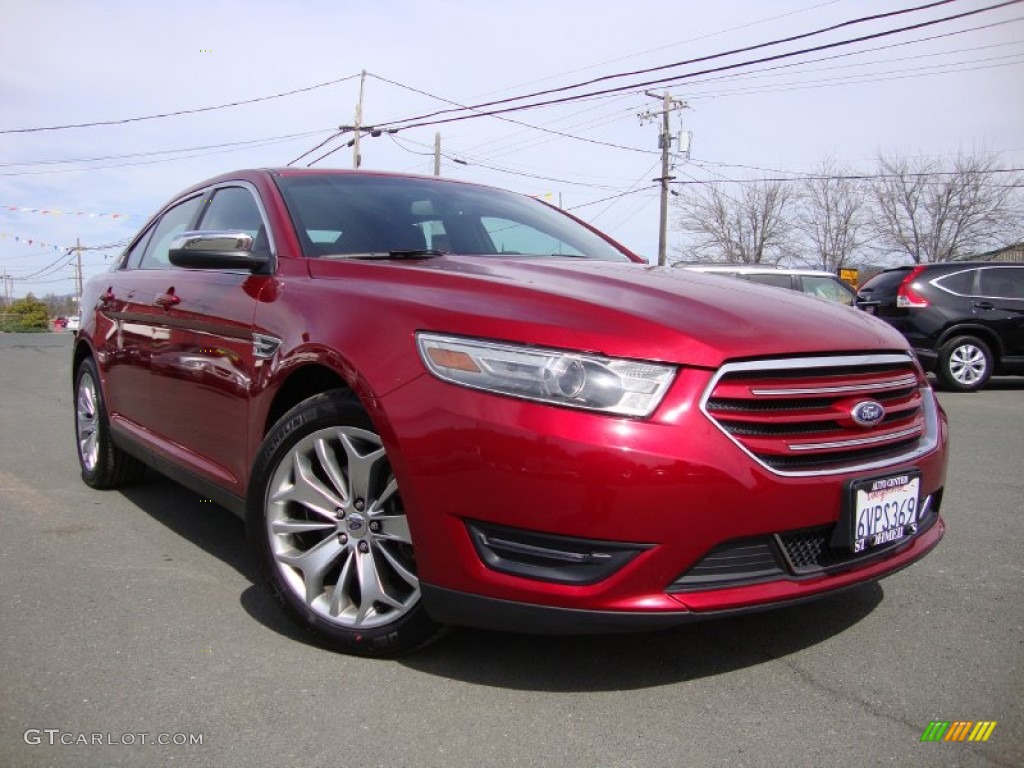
column 28, row 314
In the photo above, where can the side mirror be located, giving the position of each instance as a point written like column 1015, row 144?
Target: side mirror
column 217, row 250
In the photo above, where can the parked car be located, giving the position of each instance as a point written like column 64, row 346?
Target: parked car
column 436, row 403
column 73, row 323
column 814, row 282
column 965, row 320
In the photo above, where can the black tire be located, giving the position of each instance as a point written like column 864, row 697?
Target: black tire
column 325, row 453
column 103, row 464
column 965, row 364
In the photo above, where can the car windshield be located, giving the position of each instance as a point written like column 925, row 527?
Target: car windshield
column 338, row 216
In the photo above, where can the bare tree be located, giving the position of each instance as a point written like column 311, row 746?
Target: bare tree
column 928, row 214
column 831, row 216
column 754, row 228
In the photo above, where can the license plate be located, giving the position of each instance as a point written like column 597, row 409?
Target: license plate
column 884, row 510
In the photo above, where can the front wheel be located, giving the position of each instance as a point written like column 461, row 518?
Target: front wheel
column 327, row 523
column 965, row 364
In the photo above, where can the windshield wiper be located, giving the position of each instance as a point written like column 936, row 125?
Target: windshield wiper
column 398, row 254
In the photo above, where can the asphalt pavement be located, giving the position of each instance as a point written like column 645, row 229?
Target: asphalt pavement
column 131, row 617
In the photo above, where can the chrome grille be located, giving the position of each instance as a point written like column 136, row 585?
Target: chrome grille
column 795, row 416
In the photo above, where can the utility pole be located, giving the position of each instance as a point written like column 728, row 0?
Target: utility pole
column 357, row 160
column 437, row 154
column 78, row 273
column 665, row 139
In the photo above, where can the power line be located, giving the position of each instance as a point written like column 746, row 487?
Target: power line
column 685, row 62
column 686, row 76
column 509, row 119
column 759, row 73
column 100, row 158
column 851, row 177
column 124, row 120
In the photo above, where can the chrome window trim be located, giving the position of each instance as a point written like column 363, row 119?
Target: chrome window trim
column 937, row 282
column 929, row 440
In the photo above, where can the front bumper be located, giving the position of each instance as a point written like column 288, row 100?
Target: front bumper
column 455, row 608
column 671, row 489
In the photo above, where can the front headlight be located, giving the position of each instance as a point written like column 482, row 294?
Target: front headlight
column 624, row 387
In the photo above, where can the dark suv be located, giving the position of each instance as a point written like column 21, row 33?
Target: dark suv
column 965, row 320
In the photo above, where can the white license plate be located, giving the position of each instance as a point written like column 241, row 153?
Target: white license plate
column 884, row 510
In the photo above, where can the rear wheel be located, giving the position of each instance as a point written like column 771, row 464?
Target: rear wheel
column 965, row 364
column 327, row 523
column 104, row 465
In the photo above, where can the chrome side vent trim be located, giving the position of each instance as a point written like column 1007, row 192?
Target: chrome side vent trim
column 264, row 346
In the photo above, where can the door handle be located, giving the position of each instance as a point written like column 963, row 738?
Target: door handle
column 984, row 305
column 167, row 300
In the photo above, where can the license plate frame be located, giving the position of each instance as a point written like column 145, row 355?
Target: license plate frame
column 880, row 510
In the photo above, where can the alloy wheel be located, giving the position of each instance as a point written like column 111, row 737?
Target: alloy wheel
column 338, row 533
column 967, row 364
column 87, row 422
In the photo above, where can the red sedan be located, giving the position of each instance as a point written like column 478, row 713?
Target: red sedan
column 438, row 403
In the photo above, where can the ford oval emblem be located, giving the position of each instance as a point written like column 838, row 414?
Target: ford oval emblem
column 868, row 413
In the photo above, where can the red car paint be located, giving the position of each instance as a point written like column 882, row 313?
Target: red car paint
column 181, row 379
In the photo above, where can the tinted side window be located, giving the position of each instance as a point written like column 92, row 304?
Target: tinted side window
column 177, row 220
column 1001, row 283
column 131, row 259
column 779, row 281
column 235, row 209
column 961, row 283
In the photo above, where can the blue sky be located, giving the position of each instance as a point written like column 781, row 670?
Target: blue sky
column 69, row 62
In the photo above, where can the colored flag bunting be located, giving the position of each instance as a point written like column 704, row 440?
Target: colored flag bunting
column 33, row 241
column 58, row 212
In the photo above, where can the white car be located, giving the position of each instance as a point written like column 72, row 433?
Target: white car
column 813, row 282
column 74, row 323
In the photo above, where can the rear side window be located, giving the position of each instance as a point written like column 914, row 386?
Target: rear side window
column 1001, row 283
column 177, row 220
column 778, row 281
column 131, row 259
column 960, row 283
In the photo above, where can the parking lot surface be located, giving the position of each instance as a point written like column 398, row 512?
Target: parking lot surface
column 134, row 616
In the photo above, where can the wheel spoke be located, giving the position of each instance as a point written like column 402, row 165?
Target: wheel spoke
column 341, row 597
column 314, row 564
column 393, row 528
column 289, row 525
column 307, row 490
column 360, row 467
column 371, row 590
column 330, row 464
column 407, row 576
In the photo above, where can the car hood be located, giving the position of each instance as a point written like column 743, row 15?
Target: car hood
column 619, row 309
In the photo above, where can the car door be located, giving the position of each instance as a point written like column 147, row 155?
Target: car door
column 999, row 304
column 200, row 343
column 133, row 302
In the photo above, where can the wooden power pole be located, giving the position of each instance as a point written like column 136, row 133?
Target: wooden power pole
column 669, row 105
column 437, row 154
column 357, row 159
